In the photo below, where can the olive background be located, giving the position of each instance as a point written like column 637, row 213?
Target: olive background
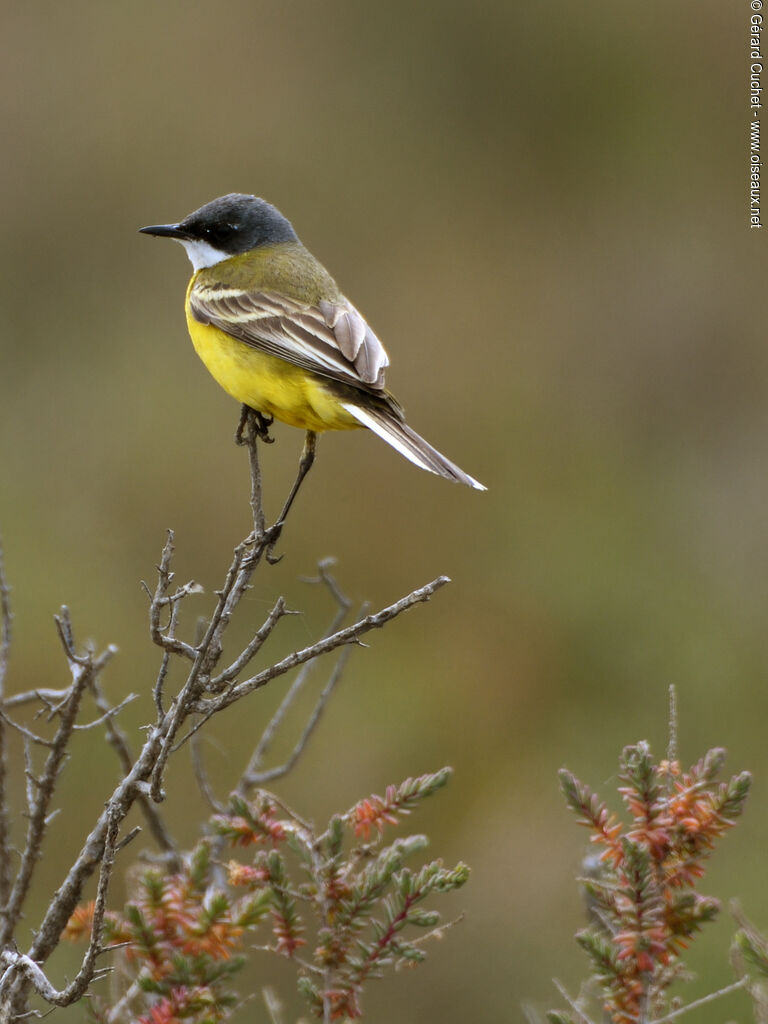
column 542, row 210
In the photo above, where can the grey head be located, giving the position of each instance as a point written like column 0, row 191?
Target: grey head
column 225, row 227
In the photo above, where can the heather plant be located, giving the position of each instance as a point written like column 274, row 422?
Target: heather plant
column 339, row 893
column 642, row 888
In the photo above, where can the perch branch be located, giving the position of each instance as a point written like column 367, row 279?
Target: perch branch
column 204, row 693
column 119, row 743
column 350, row 635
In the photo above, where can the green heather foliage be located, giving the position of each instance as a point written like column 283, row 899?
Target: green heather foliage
column 338, row 902
column 641, row 893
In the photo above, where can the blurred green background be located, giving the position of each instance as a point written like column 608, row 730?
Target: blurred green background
column 542, row 210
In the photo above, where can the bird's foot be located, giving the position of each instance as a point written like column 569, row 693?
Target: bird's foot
column 261, row 423
column 272, row 536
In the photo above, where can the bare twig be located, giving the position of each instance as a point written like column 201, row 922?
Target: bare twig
column 30, row 780
column 19, row 963
column 208, row 651
column 83, row 978
column 160, row 599
column 30, row 696
column 158, row 688
column 33, row 737
column 108, row 714
column 129, row 790
column 120, row 745
column 250, row 420
column 258, row 778
column 252, row 776
column 126, row 841
column 119, row 1012
column 201, row 776
column 88, row 972
column 273, row 1005
column 82, row 669
column 573, row 1005
column 672, row 744
column 6, row 620
column 324, row 576
column 350, row 635
column 251, row 649
column 698, row 1003
column 437, row 932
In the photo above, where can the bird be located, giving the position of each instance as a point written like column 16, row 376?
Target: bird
column 274, row 330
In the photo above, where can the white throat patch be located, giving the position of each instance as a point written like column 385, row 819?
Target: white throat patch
column 203, row 255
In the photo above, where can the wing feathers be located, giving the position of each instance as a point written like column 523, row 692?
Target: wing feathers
column 331, row 339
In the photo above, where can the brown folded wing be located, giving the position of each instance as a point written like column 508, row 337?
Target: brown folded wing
column 331, row 339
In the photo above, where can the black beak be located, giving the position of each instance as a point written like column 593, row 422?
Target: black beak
column 165, row 231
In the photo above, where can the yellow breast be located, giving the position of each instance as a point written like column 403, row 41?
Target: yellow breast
column 268, row 384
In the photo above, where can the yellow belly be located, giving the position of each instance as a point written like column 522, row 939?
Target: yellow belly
column 268, row 384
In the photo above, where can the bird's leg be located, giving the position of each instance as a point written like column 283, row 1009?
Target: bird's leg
column 262, row 424
column 305, row 464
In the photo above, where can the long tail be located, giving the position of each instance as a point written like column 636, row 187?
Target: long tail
column 406, row 441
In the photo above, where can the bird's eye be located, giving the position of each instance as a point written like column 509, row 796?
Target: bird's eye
column 218, row 233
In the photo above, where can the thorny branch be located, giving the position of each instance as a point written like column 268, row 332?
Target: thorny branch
column 207, row 689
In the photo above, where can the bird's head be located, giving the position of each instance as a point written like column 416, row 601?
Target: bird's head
column 226, row 227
